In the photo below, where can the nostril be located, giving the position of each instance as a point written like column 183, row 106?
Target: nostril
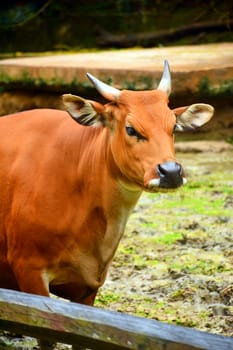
column 161, row 170
column 180, row 170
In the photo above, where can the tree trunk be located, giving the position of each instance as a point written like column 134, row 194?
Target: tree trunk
column 106, row 39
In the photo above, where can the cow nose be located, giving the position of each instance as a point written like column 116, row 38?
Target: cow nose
column 170, row 174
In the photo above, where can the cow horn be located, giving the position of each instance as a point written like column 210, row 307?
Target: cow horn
column 107, row 91
column 165, row 82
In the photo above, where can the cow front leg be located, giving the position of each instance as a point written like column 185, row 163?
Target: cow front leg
column 88, row 299
column 31, row 280
column 75, row 293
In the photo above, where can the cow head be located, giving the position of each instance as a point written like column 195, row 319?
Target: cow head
column 141, row 128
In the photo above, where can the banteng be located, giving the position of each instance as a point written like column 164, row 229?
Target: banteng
column 68, row 182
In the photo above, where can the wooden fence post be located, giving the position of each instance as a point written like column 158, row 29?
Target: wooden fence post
column 93, row 328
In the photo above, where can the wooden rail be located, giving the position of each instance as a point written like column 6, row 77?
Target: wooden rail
column 79, row 325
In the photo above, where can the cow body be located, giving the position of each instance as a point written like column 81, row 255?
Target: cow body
column 67, row 189
column 55, row 215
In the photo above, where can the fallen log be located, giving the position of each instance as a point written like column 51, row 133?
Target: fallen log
column 106, row 39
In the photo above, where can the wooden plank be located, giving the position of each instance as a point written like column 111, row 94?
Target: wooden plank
column 91, row 327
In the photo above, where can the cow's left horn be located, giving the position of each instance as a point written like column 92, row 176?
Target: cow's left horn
column 165, row 82
column 107, row 91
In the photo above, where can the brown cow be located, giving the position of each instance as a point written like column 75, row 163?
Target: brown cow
column 68, row 185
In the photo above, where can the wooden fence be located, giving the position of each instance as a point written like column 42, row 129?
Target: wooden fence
column 93, row 328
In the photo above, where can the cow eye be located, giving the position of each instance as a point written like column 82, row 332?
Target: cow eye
column 132, row 132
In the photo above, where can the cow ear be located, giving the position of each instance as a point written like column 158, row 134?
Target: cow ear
column 192, row 117
column 83, row 111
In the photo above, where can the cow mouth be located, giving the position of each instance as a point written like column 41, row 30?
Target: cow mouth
column 157, row 185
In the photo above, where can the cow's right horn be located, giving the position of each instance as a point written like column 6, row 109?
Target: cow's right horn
column 107, row 91
column 165, row 82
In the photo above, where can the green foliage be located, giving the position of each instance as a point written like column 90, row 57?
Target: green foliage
column 81, row 24
column 230, row 140
column 25, row 80
column 205, row 89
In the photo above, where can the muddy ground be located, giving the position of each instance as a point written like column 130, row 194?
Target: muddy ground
column 174, row 263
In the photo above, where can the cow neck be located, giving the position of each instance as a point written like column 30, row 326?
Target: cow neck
column 120, row 191
column 108, row 192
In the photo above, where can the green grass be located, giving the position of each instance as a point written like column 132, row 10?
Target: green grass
column 106, row 298
column 168, row 238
